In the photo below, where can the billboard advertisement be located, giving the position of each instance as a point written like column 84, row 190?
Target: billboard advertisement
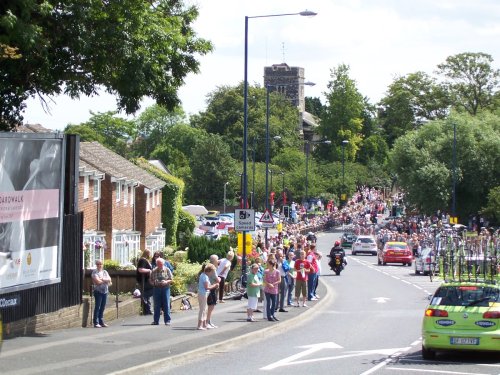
column 31, row 186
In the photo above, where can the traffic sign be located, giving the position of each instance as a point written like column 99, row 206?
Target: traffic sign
column 267, row 217
column 244, row 220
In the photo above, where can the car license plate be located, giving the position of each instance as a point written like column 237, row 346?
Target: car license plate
column 464, row 340
column 398, row 253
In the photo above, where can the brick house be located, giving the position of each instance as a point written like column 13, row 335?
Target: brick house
column 121, row 204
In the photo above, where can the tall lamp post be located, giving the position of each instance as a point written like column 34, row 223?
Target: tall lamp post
column 454, row 163
column 283, row 188
column 245, row 125
column 308, row 143
column 344, row 142
column 275, row 138
column 225, row 185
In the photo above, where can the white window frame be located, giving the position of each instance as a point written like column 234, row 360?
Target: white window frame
column 125, row 194
column 158, row 197
column 132, row 195
column 118, row 189
column 147, row 202
column 86, row 187
column 153, row 200
column 89, row 244
column 125, row 247
column 97, row 189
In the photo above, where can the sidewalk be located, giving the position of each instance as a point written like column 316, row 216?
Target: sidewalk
column 133, row 346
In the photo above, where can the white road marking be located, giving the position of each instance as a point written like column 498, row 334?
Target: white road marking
column 311, row 349
column 386, row 361
column 381, row 299
column 434, row 371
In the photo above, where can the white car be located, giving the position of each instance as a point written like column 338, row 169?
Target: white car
column 364, row 244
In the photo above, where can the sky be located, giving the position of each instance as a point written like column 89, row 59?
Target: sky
column 378, row 39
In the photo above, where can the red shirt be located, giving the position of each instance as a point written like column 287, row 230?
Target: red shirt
column 304, row 265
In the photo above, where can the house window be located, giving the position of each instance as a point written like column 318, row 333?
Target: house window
column 153, row 200
column 126, row 247
column 147, row 201
column 158, row 198
column 85, row 187
column 125, row 194
column 93, row 249
column 118, row 191
column 132, row 195
column 97, row 189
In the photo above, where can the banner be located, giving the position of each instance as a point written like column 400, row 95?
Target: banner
column 31, row 167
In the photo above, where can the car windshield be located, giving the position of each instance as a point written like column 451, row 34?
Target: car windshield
column 466, row 295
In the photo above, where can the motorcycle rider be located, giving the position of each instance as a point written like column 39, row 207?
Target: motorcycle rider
column 337, row 249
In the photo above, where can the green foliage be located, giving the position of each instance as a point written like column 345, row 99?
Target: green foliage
column 422, row 160
column 109, row 264
column 343, row 117
column 374, row 148
column 130, row 48
column 185, row 227
column 410, row 101
column 471, row 81
column 201, row 247
column 492, row 208
column 185, row 278
column 171, row 199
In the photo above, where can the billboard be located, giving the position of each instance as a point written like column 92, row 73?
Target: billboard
column 31, row 204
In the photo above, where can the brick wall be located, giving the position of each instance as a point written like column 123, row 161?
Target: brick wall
column 88, row 205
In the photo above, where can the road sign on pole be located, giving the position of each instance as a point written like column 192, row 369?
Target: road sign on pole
column 244, row 220
column 267, row 217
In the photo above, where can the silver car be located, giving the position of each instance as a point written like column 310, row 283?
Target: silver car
column 364, row 244
column 424, row 261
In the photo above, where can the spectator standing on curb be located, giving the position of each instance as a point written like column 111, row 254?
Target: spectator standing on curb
column 311, row 278
column 144, row 269
column 204, row 287
column 271, row 283
column 161, row 279
column 290, row 277
column 319, row 255
column 283, row 270
column 302, row 266
column 223, row 271
column 253, row 291
column 101, row 281
column 212, row 296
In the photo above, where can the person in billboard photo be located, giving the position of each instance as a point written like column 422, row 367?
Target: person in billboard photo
column 24, row 225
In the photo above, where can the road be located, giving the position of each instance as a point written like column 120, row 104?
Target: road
column 370, row 323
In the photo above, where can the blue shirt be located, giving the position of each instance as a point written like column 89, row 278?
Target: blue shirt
column 201, row 283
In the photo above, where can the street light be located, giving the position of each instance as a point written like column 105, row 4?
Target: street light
column 245, row 125
column 283, row 188
column 275, row 138
column 454, row 162
column 327, row 142
column 344, row 142
column 225, row 196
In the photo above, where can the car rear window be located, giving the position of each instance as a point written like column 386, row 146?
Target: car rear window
column 466, row 295
column 396, row 247
column 365, row 240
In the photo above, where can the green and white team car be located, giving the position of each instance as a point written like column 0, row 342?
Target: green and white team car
column 464, row 312
column 462, row 316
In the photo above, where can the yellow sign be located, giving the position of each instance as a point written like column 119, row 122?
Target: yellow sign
column 248, row 243
column 343, row 197
column 279, row 227
column 453, row 220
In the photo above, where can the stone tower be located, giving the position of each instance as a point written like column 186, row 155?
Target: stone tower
column 288, row 80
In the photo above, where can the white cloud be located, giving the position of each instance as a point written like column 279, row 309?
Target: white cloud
column 378, row 39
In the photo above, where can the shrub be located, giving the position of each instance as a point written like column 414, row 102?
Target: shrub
column 185, row 278
column 109, row 264
column 200, row 248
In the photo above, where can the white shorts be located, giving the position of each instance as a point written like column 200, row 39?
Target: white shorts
column 252, row 303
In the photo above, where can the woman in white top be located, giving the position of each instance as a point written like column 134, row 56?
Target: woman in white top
column 222, row 271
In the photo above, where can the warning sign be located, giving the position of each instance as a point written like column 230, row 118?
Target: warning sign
column 267, row 218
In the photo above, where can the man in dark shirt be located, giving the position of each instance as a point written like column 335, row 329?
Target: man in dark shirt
column 144, row 268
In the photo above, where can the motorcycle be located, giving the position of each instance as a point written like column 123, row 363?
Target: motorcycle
column 336, row 263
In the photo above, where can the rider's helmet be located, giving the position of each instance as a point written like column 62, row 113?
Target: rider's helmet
column 337, row 243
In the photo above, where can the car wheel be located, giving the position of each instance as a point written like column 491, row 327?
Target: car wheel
column 417, row 272
column 428, row 354
column 384, row 263
column 353, row 253
column 409, row 264
column 374, row 254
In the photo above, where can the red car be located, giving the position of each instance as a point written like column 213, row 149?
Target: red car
column 395, row 252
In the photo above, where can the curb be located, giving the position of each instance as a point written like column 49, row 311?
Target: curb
column 278, row 328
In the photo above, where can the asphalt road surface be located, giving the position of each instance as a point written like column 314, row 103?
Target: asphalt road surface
column 368, row 324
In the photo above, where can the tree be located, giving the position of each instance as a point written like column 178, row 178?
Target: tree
column 114, row 132
column 152, row 126
column 411, row 101
column 422, row 160
column 492, row 208
column 343, row 116
column 471, row 80
column 130, row 48
column 314, row 106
